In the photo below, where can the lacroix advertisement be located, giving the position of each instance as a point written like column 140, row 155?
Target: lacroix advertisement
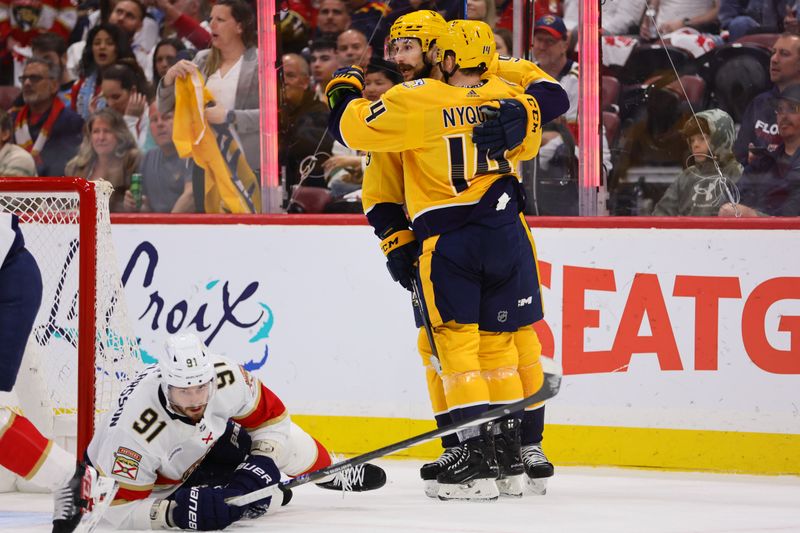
column 655, row 328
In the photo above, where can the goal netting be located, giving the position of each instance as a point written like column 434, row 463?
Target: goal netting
column 82, row 350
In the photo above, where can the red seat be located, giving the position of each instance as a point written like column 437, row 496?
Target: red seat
column 8, row 93
column 309, row 200
column 609, row 92
column 695, row 87
column 611, row 124
column 766, row 40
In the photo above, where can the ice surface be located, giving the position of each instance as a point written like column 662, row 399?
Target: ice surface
column 593, row 500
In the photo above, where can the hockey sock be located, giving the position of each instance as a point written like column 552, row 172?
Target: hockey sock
column 498, row 359
column 532, row 428
column 30, row 455
column 448, row 441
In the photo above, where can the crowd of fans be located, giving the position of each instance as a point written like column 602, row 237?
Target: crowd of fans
column 98, row 94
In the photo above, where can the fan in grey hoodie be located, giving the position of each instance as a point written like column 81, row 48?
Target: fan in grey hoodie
column 699, row 190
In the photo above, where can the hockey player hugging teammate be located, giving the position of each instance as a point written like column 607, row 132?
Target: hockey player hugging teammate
column 474, row 260
column 194, row 430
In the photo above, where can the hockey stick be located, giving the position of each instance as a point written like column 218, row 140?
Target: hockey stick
column 417, row 301
column 552, row 382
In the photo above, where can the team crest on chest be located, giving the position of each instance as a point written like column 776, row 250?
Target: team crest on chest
column 126, row 463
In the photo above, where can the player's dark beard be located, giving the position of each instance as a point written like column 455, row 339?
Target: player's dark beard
column 425, row 71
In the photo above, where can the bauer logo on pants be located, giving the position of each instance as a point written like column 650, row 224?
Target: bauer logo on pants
column 126, row 463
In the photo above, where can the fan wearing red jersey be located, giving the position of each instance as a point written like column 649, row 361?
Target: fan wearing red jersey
column 23, row 449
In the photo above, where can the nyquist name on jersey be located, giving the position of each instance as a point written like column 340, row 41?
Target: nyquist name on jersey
column 461, row 115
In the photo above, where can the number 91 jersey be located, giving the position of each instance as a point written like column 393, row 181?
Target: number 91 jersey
column 145, row 446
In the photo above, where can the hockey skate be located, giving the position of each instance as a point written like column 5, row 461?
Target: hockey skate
column 429, row 471
column 537, row 468
column 359, row 478
column 509, row 460
column 80, row 505
column 472, row 476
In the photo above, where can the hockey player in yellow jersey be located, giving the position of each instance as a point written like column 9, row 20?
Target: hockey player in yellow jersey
column 412, row 39
column 464, row 209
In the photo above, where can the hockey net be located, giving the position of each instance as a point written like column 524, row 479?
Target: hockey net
column 82, row 350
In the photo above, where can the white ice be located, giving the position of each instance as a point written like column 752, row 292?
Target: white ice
column 593, row 500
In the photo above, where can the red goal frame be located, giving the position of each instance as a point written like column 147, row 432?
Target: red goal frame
column 87, row 282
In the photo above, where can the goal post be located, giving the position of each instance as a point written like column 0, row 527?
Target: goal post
column 86, row 350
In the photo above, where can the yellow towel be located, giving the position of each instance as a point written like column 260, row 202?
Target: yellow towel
column 230, row 184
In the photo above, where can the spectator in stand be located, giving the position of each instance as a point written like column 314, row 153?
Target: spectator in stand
column 671, row 15
column 618, row 18
column 550, row 52
column 303, row 125
column 14, row 161
column 23, row 20
column 352, row 48
column 166, row 178
column 323, row 64
column 140, row 32
column 53, row 48
column 165, row 54
column 44, row 126
column 370, row 18
column 759, row 128
column 699, row 190
column 503, row 42
column 345, row 168
column 108, row 45
column 230, row 68
column 505, row 11
column 482, row 10
column 126, row 92
column 741, row 17
column 108, row 151
column 550, row 47
column 770, row 184
column 333, row 18
column 185, row 19
column 129, row 15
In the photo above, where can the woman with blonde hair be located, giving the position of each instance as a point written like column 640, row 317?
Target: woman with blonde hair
column 108, row 152
column 230, row 69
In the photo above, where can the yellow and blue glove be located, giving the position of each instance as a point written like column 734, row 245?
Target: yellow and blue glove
column 346, row 82
column 504, row 127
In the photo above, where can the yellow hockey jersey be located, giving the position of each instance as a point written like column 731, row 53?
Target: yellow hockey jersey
column 383, row 175
column 432, row 122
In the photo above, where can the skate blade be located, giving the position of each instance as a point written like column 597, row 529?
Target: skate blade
column 431, row 488
column 512, row 486
column 103, row 492
column 536, row 486
column 479, row 490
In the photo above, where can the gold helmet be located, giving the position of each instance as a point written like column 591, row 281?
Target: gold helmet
column 472, row 42
column 424, row 25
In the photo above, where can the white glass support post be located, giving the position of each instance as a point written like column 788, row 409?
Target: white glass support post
column 271, row 194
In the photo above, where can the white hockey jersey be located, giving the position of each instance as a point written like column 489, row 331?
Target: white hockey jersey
column 147, row 448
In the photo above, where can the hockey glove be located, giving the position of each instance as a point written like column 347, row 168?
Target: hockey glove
column 346, row 81
column 504, row 127
column 402, row 251
column 257, row 472
column 204, row 508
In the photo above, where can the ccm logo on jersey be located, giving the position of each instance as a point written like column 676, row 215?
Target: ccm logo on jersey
column 257, row 470
column 525, row 301
column 126, row 463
